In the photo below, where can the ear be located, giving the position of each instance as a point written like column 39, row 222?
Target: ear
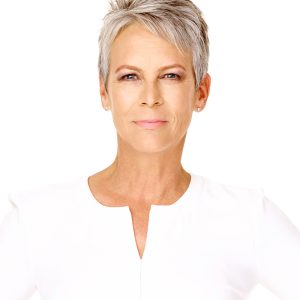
column 202, row 93
column 103, row 94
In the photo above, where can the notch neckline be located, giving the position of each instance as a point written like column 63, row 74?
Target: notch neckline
column 179, row 202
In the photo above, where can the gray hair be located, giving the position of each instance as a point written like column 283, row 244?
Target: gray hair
column 178, row 21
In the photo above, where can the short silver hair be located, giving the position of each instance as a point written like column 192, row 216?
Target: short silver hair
column 177, row 21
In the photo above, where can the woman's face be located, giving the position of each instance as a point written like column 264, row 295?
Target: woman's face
column 150, row 88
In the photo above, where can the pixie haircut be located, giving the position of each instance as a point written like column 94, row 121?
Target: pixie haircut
column 180, row 22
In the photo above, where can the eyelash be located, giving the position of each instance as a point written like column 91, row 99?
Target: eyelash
column 124, row 76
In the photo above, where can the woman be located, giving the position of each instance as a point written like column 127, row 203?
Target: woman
column 145, row 228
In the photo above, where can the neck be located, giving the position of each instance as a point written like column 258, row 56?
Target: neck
column 150, row 178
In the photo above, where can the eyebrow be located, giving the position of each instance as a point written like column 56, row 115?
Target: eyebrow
column 138, row 69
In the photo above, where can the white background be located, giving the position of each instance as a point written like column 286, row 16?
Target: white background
column 53, row 127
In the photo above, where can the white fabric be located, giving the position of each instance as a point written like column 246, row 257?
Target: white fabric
column 215, row 243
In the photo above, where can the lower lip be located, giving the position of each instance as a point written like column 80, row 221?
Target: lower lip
column 151, row 125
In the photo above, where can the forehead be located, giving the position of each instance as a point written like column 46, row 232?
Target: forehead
column 136, row 44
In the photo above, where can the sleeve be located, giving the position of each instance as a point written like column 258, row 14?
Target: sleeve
column 277, row 252
column 17, row 280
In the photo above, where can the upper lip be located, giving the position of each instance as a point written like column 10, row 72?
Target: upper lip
column 151, row 120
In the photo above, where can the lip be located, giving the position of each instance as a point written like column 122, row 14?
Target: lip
column 150, row 124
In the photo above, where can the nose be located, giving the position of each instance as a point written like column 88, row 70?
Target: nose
column 151, row 94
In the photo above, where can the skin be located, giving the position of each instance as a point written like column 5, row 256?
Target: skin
column 147, row 168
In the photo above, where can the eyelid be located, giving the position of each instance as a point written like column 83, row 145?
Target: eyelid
column 122, row 77
column 178, row 75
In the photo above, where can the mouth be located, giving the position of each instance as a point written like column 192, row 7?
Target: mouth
column 150, row 124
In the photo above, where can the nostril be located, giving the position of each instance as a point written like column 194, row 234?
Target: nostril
column 151, row 103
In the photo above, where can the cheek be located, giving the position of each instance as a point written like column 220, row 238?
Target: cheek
column 181, row 96
column 182, row 107
column 121, row 102
column 122, row 105
column 182, row 121
column 182, row 102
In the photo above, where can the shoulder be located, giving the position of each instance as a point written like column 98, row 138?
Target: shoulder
column 231, row 194
column 43, row 211
column 46, row 198
column 228, row 200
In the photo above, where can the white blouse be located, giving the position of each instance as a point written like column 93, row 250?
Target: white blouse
column 217, row 242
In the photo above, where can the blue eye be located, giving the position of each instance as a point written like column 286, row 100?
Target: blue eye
column 178, row 77
column 126, row 76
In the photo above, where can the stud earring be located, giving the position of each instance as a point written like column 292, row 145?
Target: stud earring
column 198, row 109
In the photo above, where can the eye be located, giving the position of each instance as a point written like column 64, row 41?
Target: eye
column 173, row 74
column 129, row 77
column 126, row 77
